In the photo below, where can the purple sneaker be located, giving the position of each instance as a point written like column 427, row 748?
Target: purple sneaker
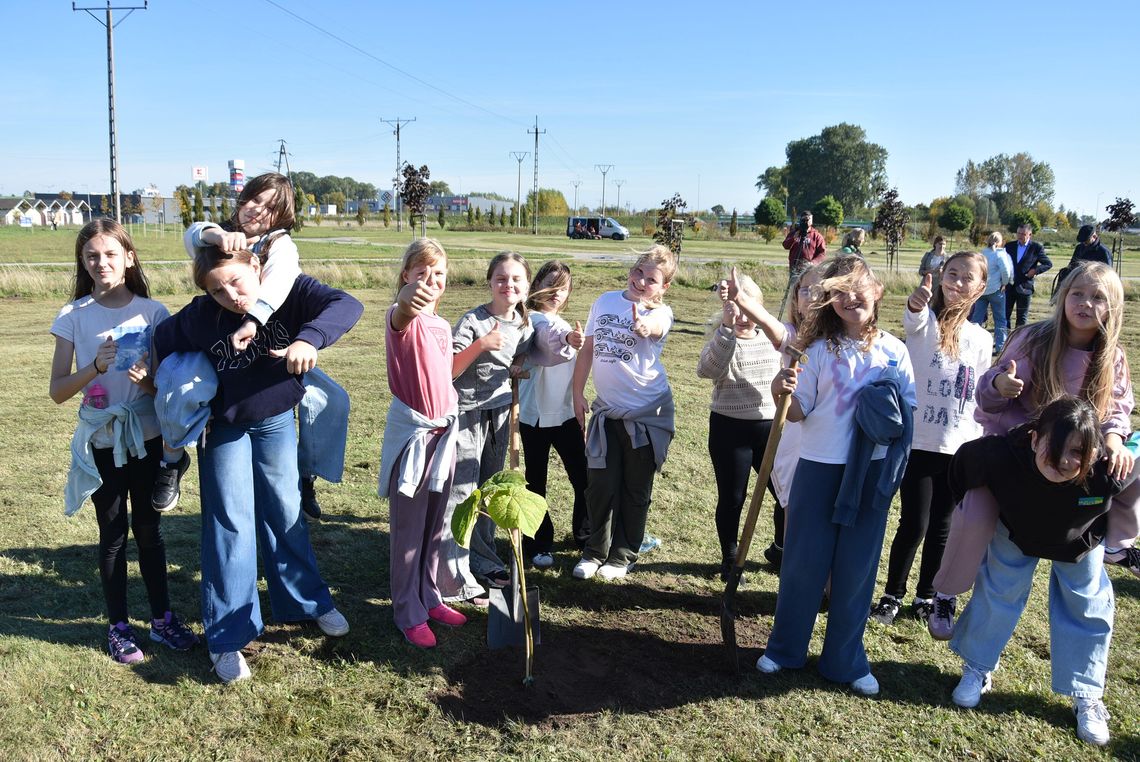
column 121, row 644
column 940, row 623
column 170, row 631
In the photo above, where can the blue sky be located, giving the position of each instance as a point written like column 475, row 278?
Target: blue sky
column 676, row 96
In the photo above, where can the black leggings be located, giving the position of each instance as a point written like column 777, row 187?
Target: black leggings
column 568, row 442
column 736, row 447
column 136, row 479
column 926, row 510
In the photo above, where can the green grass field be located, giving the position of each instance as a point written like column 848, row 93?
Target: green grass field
column 626, row 670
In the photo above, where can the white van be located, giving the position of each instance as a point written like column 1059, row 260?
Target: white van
column 596, row 227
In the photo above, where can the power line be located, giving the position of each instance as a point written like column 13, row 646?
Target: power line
column 393, row 67
column 110, row 26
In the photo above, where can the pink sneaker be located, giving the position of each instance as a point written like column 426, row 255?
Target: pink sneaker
column 444, row 614
column 420, row 636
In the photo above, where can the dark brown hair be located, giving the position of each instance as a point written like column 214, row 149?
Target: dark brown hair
column 210, row 258
column 1062, row 418
column 134, row 278
column 281, row 209
column 510, row 256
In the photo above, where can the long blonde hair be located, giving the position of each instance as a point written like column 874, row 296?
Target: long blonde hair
column 1048, row 340
column 952, row 316
column 840, row 276
column 540, row 295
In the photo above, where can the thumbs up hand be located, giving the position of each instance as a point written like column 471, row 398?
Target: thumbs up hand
column 576, row 338
column 921, row 295
column 1008, row 384
column 493, row 339
column 638, row 327
column 729, row 289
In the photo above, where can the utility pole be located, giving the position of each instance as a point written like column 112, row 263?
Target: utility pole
column 519, row 156
column 283, row 156
column 603, row 168
column 398, row 122
column 576, row 183
column 536, row 134
column 619, row 183
column 110, row 26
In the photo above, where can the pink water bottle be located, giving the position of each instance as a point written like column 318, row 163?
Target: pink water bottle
column 96, row 396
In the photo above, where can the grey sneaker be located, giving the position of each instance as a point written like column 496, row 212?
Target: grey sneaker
column 971, row 687
column 940, row 623
column 333, row 623
column 1092, row 720
column 866, row 685
column 230, row 666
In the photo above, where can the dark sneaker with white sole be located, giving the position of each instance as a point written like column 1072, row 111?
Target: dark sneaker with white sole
column 167, row 484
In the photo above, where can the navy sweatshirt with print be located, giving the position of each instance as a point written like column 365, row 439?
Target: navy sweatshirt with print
column 252, row 385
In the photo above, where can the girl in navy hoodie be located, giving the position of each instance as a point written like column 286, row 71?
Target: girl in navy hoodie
column 248, row 468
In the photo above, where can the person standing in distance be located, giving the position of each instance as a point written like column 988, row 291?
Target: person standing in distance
column 804, row 244
column 1029, row 261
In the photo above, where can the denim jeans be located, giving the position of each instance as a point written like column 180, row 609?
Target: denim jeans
column 251, row 495
column 995, row 304
column 816, row 548
column 322, row 422
column 1081, row 606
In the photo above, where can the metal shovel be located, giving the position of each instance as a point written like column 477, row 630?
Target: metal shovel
column 506, row 624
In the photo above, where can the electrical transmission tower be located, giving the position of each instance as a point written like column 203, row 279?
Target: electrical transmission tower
column 619, row 183
column 283, row 156
column 603, row 168
column 398, row 123
column 110, row 26
column 576, row 183
column 519, row 156
column 536, row 134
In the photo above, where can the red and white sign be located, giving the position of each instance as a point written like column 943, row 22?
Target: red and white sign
column 199, row 174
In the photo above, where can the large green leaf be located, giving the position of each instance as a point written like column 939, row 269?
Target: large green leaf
column 504, row 479
column 516, row 507
column 463, row 520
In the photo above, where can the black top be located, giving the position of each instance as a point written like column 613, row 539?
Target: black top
column 1095, row 252
column 252, row 385
column 1060, row 522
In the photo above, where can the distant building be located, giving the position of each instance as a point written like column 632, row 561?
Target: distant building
column 459, row 204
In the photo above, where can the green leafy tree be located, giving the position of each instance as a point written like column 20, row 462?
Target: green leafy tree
column 470, row 215
column 439, row 188
column 478, row 216
column 827, row 212
column 551, row 202
column 525, row 216
column 770, row 211
column 717, row 209
column 732, row 225
column 225, row 210
column 1019, row 217
column 774, row 182
column 360, row 215
column 199, row 212
column 503, row 217
column 1012, row 182
column 300, row 208
column 838, row 162
column 184, row 208
column 387, row 216
column 491, row 216
column 336, row 199
column 441, row 219
column 956, row 218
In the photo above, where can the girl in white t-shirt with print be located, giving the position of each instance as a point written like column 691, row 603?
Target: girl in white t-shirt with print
column 105, row 334
column 631, row 424
column 837, row 513
column 949, row 353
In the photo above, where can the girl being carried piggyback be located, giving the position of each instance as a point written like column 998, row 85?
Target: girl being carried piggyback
column 261, row 224
column 1075, row 352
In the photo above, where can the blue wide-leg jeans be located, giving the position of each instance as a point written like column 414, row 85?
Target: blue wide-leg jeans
column 250, row 496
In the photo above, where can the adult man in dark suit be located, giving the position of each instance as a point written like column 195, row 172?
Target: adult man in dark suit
column 1029, row 261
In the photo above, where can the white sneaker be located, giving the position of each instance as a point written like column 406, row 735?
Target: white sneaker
column 230, row 666
column 767, row 666
column 866, row 685
column 610, row 572
column 543, row 560
column 971, row 687
column 333, row 623
column 1092, row 720
column 585, row 569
